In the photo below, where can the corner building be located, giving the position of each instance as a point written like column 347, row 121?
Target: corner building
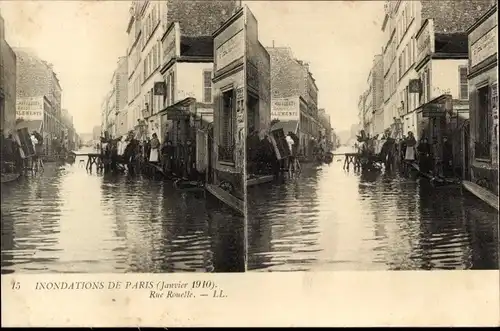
column 148, row 23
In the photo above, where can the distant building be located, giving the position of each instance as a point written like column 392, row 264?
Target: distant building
column 96, row 132
column 8, row 69
column 36, row 80
column 294, row 97
column 326, row 127
column 117, row 110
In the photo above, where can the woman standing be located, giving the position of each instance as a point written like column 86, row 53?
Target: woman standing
column 410, row 148
column 424, row 155
column 155, row 147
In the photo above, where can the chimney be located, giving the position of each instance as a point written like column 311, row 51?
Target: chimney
column 273, row 43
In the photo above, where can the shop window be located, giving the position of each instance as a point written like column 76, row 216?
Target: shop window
column 464, row 84
column 207, row 86
column 227, row 127
column 483, row 127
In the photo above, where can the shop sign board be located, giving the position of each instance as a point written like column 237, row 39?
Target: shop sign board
column 285, row 109
column 484, row 47
column 30, row 109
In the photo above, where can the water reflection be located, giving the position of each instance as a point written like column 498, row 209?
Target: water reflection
column 66, row 220
column 330, row 219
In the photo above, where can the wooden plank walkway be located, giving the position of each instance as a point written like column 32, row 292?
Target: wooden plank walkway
column 489, row 197
column 7, row 178
column 226, row 198
column 259, row 180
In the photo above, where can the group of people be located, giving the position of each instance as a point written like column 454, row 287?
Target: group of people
column 14, row 154
column 261, row 156
column 435, row 158
column 179, row 160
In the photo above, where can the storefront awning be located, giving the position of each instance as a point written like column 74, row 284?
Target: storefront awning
column 35, row 125
column 287, row 126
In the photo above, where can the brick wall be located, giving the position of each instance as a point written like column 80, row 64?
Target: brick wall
column 288, row 77
column 454, row 15
column 34, row 78
column 200, row 17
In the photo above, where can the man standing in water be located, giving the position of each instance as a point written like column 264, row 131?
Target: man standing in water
column 291, row 158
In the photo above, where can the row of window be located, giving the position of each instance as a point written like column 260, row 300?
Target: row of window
column 152, row 60
column 151, row 20
column 390, row 85
column 407, row 57
column 408, row 12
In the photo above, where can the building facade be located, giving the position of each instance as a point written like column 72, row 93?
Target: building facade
column 118, row 104
column 242, row 100
column 376, row 81
column 483, row 101
column 294, row 91
column 326, row 129
column 8, row 67
column 96, row 133
column 148, row 23
column 403, row 19
column 36, row 79
column 69, row 138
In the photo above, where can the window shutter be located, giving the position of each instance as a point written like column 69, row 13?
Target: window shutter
column 207, row 86
column 464, row 88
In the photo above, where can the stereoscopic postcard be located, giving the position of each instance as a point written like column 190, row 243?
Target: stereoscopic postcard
column 249, row 163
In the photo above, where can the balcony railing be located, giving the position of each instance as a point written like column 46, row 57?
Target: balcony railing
column 482, row 150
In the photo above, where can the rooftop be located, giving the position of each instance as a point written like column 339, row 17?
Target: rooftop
column 451, row 43
column 197, row 46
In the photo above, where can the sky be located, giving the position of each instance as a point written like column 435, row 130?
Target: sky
column 83, row 40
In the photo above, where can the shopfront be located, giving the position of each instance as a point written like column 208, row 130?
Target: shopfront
column 241, row 90
column 483, row 101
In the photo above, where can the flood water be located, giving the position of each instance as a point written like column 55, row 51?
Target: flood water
column 331, row 219
column 66, row 220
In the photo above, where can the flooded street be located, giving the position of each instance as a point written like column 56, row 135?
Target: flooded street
column 66, row 220
column 330, row 219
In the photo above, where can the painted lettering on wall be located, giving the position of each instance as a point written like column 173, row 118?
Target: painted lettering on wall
column 285, row 108
column 425, row 41
column 484, row 47
column 231, row 50
column 170, row 44
column 30, row 109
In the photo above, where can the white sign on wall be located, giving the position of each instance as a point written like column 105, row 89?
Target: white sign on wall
column 285, row 109
column 231, row 50
column 30, row 109
column 425, row 41
column 171, row 43
column 484, row 47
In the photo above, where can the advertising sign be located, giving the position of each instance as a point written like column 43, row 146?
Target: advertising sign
column 425, row 41
column 415, row 86
column 230, row 51
column 483, row 48
column 160, row 88
column 285, row 109
column 30, row 109
column 171, row 43
column 434, row 110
